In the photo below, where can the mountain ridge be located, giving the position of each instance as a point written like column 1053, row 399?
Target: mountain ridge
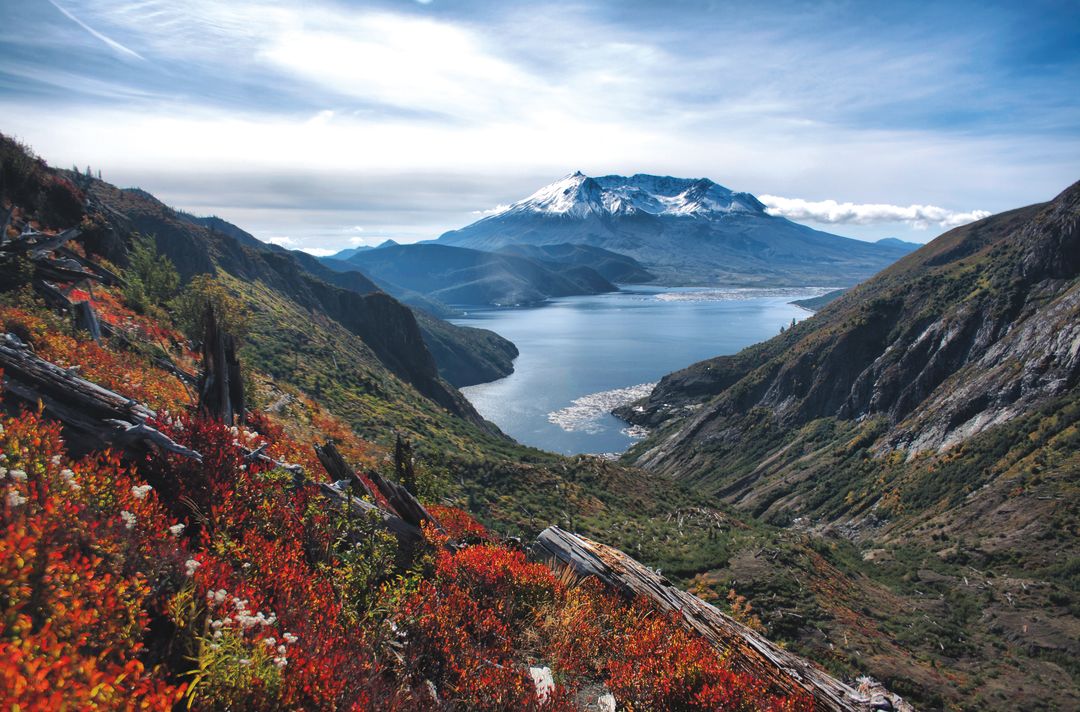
column 687, row 231
column 929, row 419
column 458, row 275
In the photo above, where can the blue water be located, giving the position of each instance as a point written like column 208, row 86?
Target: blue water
column 581, row 348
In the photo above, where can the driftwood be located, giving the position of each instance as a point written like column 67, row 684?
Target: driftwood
column 221, row 392
column 749, row 651
column 93, row 415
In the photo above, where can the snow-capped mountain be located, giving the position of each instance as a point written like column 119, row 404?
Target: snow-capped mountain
column 688, row 231
column 578, row 195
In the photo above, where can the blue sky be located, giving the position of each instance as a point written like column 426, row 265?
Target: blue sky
column 322, row 125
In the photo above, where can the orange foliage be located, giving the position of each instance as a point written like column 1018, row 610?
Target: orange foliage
column 212, row 584
column 80, row 552
column 125, row 373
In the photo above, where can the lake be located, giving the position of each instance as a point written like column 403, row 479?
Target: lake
column 582, row 356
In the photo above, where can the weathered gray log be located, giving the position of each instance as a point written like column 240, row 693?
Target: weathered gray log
column 53, row 295
column 167, row 364
column 92, row 414
column 749, row 651
column 59, row 271
column 339, row 470
column 105, row 276
column 87, row 320
column 40, row 244
column 221, row 393
column 128, row 433
column 407, row 506
column 408, row 536
column 260, row 455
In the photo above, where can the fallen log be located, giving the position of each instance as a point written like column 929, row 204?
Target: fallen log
column 407, row 506
column 59, row 271
column 407, row 535
column 40, row 244
column 339, row 470
column 749, row 652
column 93, row 416
column 105, row 276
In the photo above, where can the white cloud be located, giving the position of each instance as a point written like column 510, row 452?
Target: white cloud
column 282, row 241
column 831, row 212
column 318, row 251
column 492, row 211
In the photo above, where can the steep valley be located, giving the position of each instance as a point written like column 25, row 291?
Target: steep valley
column 924, row 426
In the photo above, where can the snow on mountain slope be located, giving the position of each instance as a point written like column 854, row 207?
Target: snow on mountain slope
column 684, row 230
column 578, row 195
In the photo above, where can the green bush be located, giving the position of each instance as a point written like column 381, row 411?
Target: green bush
column 151, row 278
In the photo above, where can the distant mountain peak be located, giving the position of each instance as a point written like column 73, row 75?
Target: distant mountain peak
column 577, row 195
column 683, row 230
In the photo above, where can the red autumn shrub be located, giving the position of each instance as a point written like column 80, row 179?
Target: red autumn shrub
column 83, row 551
column 224, row 584
column 459, row 524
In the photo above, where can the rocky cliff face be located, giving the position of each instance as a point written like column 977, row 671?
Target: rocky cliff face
column 975, row 328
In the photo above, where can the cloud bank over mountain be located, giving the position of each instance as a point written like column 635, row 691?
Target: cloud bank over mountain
column 831, row 212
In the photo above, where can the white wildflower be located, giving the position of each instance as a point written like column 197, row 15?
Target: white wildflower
column 281, row 650
column 67, row 475
column 215, row 646
column 190, row 566
column 290, row 638
column 140, row 491
column 3, row 472
column 220, row 595
column 14, row 499
column 244, row 661
column 269, row 642
column 55, row 460
column 18, row 475
column 176, row 529
column 281, row 661
column 129, row 519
